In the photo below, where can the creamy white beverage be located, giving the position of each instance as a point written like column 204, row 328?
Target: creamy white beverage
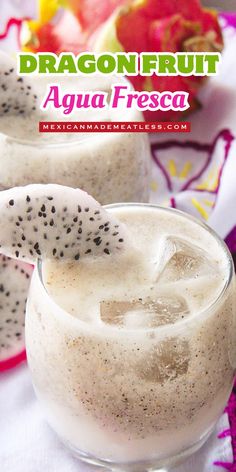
column 111, row 166
column 133, row 356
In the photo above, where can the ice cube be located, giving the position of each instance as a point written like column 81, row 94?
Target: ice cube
column 186, row 261
column 166, row 361
column 113, row 312
column 147, row 313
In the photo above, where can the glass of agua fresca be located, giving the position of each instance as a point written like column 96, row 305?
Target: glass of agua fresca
column 133, row 356
column 112, row 166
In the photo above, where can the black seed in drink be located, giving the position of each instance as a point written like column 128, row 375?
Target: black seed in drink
column 97, row 241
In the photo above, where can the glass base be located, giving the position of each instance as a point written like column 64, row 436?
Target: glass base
column 159, row 465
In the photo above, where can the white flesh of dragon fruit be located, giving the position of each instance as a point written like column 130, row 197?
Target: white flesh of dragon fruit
column 56, row 222
column 14, row 284
column 17, row 94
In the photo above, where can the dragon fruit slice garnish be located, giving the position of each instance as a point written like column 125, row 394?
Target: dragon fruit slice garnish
column 17, row 97
column 17, row 94
column 56, row 222
column 14, row 285
column 39, row 222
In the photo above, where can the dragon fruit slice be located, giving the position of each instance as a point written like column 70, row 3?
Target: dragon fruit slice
column 161, row 26
column 14, row 284
column 53, row 221
column 17, row 94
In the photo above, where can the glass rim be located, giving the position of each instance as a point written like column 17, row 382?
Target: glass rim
column 76, row 142
column 51, row 145
column 166, row 328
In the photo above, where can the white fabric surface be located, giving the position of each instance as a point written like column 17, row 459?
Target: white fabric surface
column 27, row 444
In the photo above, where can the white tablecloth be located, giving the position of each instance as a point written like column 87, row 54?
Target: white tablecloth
column 27, row 443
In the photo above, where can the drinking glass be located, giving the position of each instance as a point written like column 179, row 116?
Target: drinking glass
column 111, row 166
column 138, row 399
